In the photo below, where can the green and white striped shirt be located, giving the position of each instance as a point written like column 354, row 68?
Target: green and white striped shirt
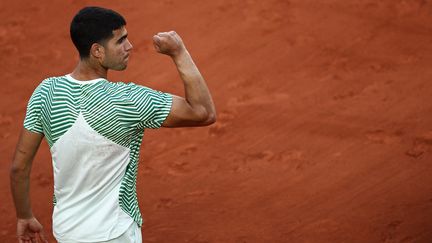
column 94, row 130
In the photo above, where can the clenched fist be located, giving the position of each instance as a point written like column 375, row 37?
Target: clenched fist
column 168, row 43
column 29, row 230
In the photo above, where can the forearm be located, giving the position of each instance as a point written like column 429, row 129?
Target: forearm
column 197, row 93
column 20, row 186
column 20, row 170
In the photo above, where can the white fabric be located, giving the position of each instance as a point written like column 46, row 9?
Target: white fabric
column 68, row 76
column 87, row 178
column 132, row 235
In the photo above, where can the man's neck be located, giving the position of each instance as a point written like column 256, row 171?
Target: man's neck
column 88, row 70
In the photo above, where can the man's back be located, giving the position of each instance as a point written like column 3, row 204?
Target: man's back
column 94, row 130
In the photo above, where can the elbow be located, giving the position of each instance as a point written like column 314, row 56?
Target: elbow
column 17, row 173
column 211, row 118
column 207, row 118
column 14, row 174
column 14, row 170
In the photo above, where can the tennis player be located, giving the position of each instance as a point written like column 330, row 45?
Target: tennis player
column 94, row 128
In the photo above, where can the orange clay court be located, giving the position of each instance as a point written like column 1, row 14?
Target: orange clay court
column 324, row 130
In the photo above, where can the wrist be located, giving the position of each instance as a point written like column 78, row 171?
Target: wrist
column 25, row 219
column 25, row 216
column 180, row 54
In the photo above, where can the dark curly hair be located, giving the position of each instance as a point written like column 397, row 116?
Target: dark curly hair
column 94, row 25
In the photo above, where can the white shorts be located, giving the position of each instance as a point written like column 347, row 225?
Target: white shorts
column 132, row 235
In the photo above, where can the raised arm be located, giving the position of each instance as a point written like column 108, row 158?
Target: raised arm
column 197, row 108
column 28, row 228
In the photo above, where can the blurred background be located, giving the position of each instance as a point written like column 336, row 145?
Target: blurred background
column 324, row 130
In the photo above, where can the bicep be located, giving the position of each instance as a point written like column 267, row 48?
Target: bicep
column 26, row 149
column 182, row 114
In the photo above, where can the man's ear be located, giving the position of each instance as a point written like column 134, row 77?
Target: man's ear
column 97, row 50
